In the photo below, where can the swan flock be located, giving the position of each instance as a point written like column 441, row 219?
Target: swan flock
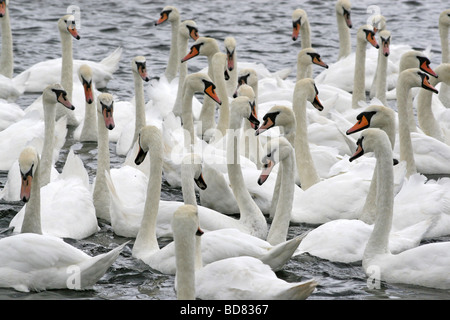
column 353, row 150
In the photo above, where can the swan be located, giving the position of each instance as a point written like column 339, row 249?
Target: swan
column 432, row 115
column 434, row 195
column 205, row 46
column 34, row 262
column 235, row 278
column 127, row 136
column 444, row 24
column 425, row 265
column 380, row 78
column 171, row 14
column 301, row 27
column 62, row 208
column 87, row 130
column 305, row 59
column 232, row 64
column 344, row 23
column 218, row 244
column 188, row 29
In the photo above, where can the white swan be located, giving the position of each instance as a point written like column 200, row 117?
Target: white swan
column 301, row 27
column 62, row 208
column 133, row 123
column 171, row 14
column 432, row 115
column 235, row 278
column 379, row 84
column 232, row 65
column 305, row 59
column 33, row 262
column 344, row 23
column 205, row 46
column 188, row 29
column 425, row 265
column 218, row 244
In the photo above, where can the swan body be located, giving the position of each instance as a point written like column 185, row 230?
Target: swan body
column 235, row 278
column 34, row 262
column 425, row 265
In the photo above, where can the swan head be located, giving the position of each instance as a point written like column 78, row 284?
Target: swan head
column 139, row 66
column 54, row 94
column 67, row 24
column 246, row 76
column 149, row 140
column 85, row 76
column 416, row 59
column 378, row 23
column 385, row 38
column 307, row 88
column 371, row 140
column 374, row 116
column 185, row 221
column 366, row 33
column 414, row 77
column 28, row 164
column 246, row 90
column 444, row 18
column 194, row 162
column 188, row 29
column 105, row 106
column 277, row 150
column 309, row 56
column 168, row 13
column 243, row 108
column 344, row 8
column 280, row 116
column 299, row 17
column 230, row 50
column 203, row 46
column 3, row 5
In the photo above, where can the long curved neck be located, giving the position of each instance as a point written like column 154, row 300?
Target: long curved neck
column 140, row 120
column 46, row 164
column 173, row 63
column 303, row 71
column 406, row 149
column 89, row 130
column 182, row 50
column 185, row 253
column 32, row 218
column 443, row 33
column 359, row 83
column 381, row 77
column 305, row 164
column 67, row 64
column 379, row 239
column 6, row 58
column 224, row 109
column 208, row 112
column 280, row 223
column 345, row 45
column 187, row 118
column 250, row 213
column 146, row 239
column 187, row 184
column 101, row 194
column 427, row 122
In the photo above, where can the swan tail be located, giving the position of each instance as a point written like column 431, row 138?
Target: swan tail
column 74, row 167
column 280, row 254
column 300, row 291
column 111, row 62
column 93, row 269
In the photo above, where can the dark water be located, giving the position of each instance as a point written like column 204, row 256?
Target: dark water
column 263, row 33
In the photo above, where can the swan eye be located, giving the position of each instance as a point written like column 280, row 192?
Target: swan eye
column 268, row 156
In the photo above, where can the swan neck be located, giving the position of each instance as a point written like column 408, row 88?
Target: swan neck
column 173, row 63
column 427, row 122
column 345, row 46
column 406, row 149
column 280, row 223
column 381, row 77
column 359, row 86
column 224, row 108
column 89, row 130
column 32, row 218
column 183, row 70
column 6, row 58
column 187, row 117
column 67, row 64
column 140, row 120
column 46, row 164
column 379, row 239
column 305, row 34
column 187, row 184
column 146, row 239
column 443, row 33
column 305, row 164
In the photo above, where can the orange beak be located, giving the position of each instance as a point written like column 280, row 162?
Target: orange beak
column 89, row 96
column 193, row 53
column 194, row 34
column 319, row 62
column 164, row 17
column 73, row 31
column 66, row 103
column 362, row 124
column 211, row 92
column 295, row 30
column 266, row 126
column 425, row 67
column 25, row 189
column 427, row 85
column 267, row 169
column 108, row 117
column 371, row 39
column 2, row 8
